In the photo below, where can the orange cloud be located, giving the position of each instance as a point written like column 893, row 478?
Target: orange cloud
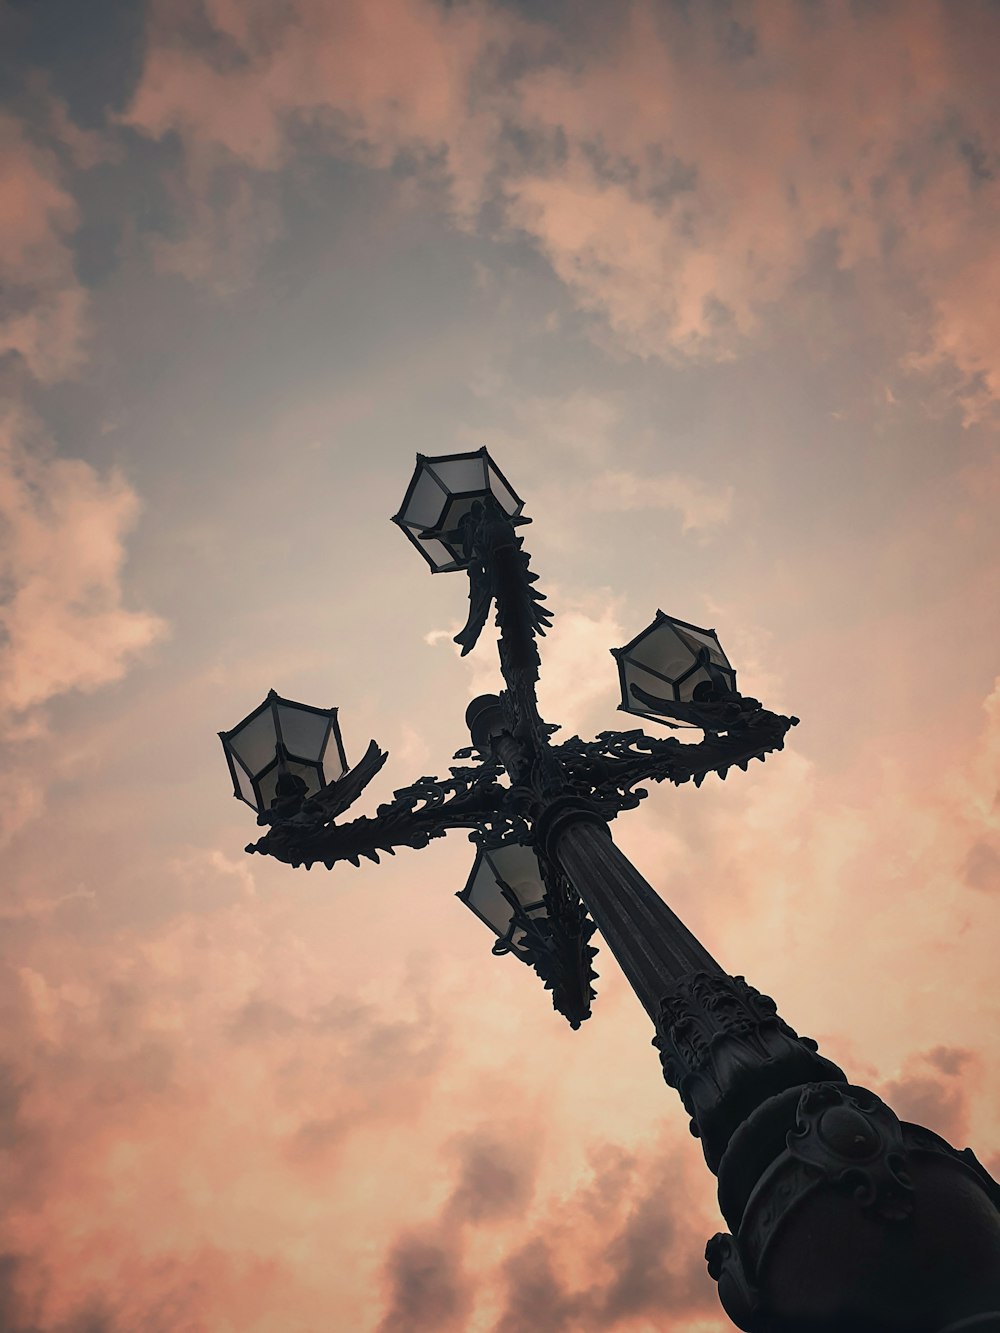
column 43, row 314
column 683, row 173
column 64, row 622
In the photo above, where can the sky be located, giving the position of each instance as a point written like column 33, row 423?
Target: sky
column 718, row 285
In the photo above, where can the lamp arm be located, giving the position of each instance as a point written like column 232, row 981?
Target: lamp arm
column 471, row 798
column 607, row 769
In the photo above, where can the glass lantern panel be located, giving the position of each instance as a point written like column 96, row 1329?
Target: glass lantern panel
column 423, row 509
column 456, row 511
column 652, row 685
column 462, row 474
column 442, row 557
column 518, row 867
column 663, row 650
column 255, row 742
column 484, row 897
column 686, row 688
column 508, row 502
column 269, row 782
column 699, row 638
column 333, row 766
column 518, row 934
column 303, row 731
column 245, row 786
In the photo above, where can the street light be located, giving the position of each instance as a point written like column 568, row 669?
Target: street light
column 506, row 890
column 440, row 498
column 670, row 669
column 283, row 749
column 841, row 1216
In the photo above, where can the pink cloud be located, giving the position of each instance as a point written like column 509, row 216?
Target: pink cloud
column 678, row 184
column 63, row 617
column 43, row 317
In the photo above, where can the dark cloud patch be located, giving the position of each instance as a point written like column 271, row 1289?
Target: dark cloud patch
column 17, row 1317
column 928, row 1102
column 91, row 55
column 930, row 1099
column 428, row 1288
column 654, row 1269
column 738, row 40
column 979, row 162
column 11, row 1095
column 982, row 868
column 426, row 1277
column 495, row 1180
column 537, row 1301
column 11, row 1320
column 259, row 1019
column 319, row 1135
column 653, row 1274
column 534, row 149
column 949, row 1059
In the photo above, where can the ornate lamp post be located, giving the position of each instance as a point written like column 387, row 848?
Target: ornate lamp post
column 841, row 1216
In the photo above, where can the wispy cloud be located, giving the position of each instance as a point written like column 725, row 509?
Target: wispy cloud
column 63, row 616
column 684, row 215
column 43, row 308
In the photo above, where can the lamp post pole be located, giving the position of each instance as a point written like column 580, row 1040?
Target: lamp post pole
column 841, row 1217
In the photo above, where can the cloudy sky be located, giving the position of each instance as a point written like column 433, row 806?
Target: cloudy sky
column 719, row 286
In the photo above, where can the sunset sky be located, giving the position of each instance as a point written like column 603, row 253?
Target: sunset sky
column 718, row 285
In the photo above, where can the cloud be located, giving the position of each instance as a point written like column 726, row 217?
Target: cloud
column 63, row 620
column 428, row 1289
column 699, row 506
column 495, row 1179
column 683, row 185
column 43, row 310
column 981, row 868
column 935, row 1097
column 247, row 90
column 650, row 1265
column 537, row 1301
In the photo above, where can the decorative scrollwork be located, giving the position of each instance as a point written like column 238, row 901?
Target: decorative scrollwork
column 556, row 944
column 737, row 1294
column 564, row 960
column 471, row 798
column 725, row 1049
column 855, row 1141
column 608, row 769
column 499, row 572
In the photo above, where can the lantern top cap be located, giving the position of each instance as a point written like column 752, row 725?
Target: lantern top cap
column 273, row 697
column 661, row 618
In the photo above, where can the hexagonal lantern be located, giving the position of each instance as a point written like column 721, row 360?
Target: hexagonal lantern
column 506, row 885
column 672, row 662
column 283, row 737
column 441, row 492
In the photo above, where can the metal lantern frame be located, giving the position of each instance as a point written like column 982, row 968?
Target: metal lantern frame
column 283, row 753
column 442, row 555
column 521, row 914
column 623, row 657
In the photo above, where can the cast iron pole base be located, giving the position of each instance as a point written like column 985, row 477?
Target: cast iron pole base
column 846, row 1218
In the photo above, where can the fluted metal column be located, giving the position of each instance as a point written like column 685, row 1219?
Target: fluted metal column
column 652, row 945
